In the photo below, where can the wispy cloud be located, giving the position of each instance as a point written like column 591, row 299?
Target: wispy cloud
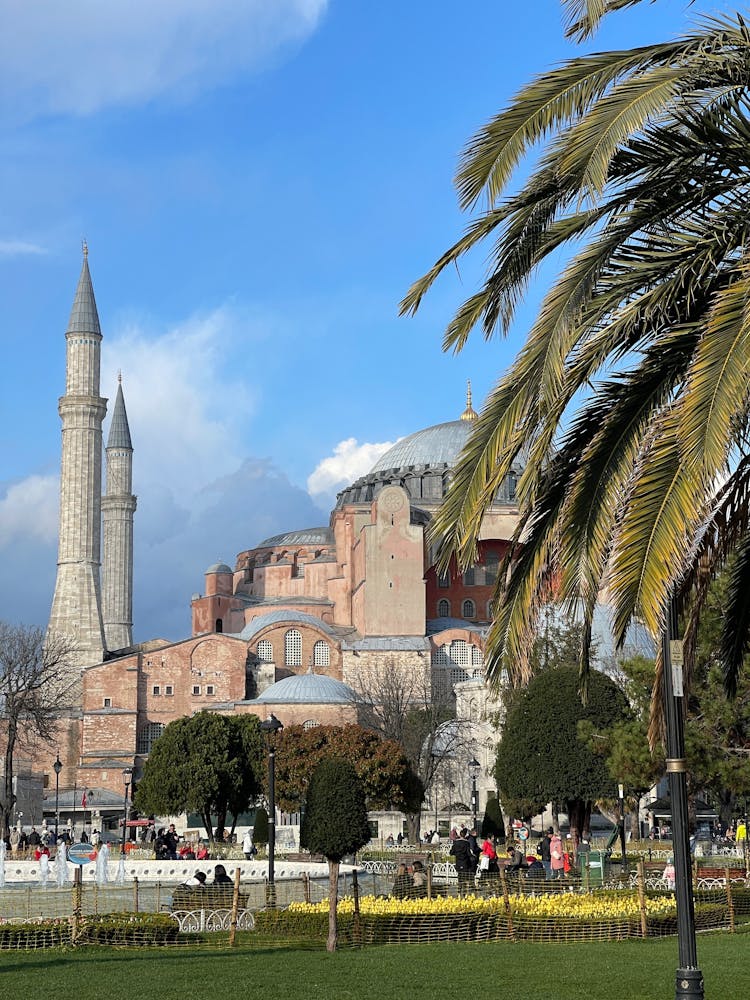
column 84, row 55
column 349, row 461
column 19, row 248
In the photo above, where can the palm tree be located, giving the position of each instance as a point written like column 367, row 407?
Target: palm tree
column 630, row 393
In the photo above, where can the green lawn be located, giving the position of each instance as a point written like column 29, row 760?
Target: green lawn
column 628, row 970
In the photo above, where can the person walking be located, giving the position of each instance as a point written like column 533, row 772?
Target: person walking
column 248, row 847
column 462, row 853
column 557, row 857
column 545, row 852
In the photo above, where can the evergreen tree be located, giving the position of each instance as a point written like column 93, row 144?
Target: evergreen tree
column 493, row 824
column 335, row 824
column 260, row 830
column 541, row 757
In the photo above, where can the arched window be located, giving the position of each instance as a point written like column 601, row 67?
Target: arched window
column 293, row 648
column 219, row 625
column 469, row 576
column 468, row 610
column 491, row 567
column 444, row 609
column 147, row 736
column 444, row 580
column 265, row 651
column 321, row 654
column 310, row 724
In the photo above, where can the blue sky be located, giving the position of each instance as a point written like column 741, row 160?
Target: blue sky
column 259, row 181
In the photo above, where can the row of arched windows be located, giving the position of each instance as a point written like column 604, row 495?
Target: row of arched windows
column 483, row 574
column 293, row 651
column 468, row 609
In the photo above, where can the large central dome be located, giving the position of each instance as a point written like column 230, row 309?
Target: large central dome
column 433, row 446
column 421, row 464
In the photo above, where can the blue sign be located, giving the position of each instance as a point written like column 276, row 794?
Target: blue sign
column 81, row 854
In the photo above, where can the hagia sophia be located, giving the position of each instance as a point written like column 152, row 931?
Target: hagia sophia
column 299, row 626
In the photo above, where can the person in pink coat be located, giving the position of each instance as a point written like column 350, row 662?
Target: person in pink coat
column 556, row 857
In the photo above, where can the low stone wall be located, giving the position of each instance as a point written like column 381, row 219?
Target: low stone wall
column 149, row 870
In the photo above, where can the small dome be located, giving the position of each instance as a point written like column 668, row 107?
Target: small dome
column 219, row 567
column 308, row 689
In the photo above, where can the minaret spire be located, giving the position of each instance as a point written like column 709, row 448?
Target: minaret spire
column 118, row 507
column 469, row 413
column 76, row 606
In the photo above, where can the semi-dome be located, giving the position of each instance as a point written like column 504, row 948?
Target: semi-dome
column 304, row 536
column 308, row 689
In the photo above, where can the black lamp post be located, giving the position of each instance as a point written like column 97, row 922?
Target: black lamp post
column 127, row 777
column 270, row 727
column 689, row 978
column 474, row 768
column 57, row 766
column 621, row 796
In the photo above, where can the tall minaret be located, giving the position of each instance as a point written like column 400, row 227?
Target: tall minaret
column 76, row 606
column 118, row 507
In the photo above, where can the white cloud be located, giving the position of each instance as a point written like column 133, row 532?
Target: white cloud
column 348, row 462
column 84, row 55
column 182, row 408
column 30, row 508
column 17, row 248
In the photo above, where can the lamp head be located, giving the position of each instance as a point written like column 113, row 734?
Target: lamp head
column 474, row 768
column 127, row 775
column 57, row 766
column 271, row 726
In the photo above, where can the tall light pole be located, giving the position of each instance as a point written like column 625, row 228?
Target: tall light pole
column 57, row 766
column 270, row 727
column 127, row 777
column 474, row 768
column 689, row 978
column 621, row 796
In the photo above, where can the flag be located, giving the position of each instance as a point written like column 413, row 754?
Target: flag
column 83, row 799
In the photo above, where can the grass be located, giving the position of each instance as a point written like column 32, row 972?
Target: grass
column 628, row 970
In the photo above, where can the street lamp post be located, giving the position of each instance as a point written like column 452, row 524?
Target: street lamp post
column 689, row 978
column 270, row 727
column 621, row 796
column 127, row 777
column 57, row 766
column 474, row 769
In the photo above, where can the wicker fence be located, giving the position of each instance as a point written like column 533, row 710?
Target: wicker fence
column 294, row 910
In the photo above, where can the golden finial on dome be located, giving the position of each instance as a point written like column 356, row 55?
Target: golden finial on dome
column 469, row 413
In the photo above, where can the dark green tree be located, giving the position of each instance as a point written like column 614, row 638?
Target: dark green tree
column 260, row 829
column 541, row 758
column 493, row 824
column 210, row 764
column 334, row 824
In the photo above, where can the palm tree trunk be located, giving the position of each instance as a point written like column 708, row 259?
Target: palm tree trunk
column 333, row 898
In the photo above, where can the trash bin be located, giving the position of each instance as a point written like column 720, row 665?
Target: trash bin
column 593, row 867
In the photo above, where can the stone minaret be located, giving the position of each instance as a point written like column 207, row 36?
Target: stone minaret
column 76, row 606
column 118, row 507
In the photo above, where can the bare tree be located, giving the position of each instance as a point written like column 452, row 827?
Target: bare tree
column 418, row 711
column 37, row 680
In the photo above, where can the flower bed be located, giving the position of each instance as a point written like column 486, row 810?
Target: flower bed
column 563, row 917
